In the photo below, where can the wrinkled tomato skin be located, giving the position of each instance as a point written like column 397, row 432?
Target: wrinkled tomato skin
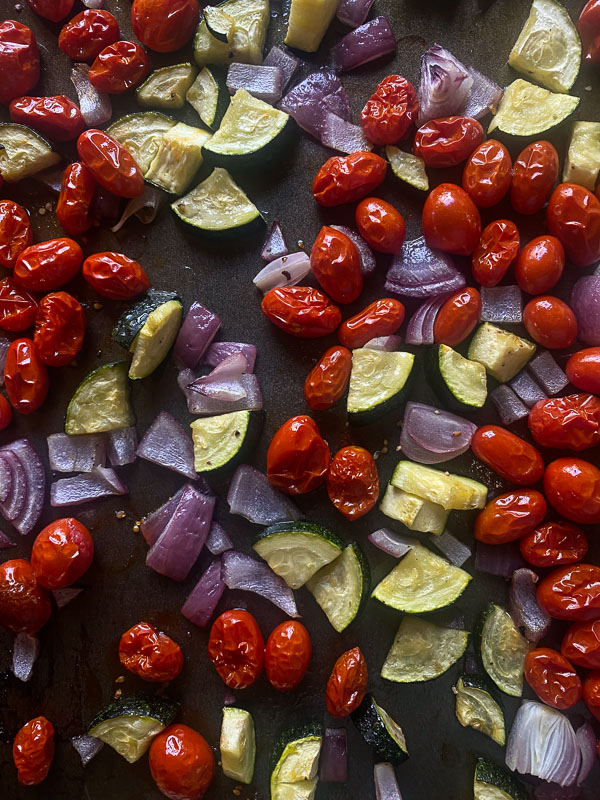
column 540, row 264
column 298, row 456
column 353, row 482
column 150, row 654
column 487, row 174
column 457, row 318
column 164, row 25
column 554, row 543
column 301, row 311
column 571, row 422
column 287, row 655
column 346, row 179
column 451, row 221
column 550, row 322
column 54, row 10
column 48, row 265
column 19, row 60
column 496, row 250
column 110, row 163
column 328, row 379
column 588, row 26
column 581, row 644
column 62, row 553
column 510, row 516
column 380, row 225
column 77, row 192
column 16, row 233
column 181, row 763
column 552, row 678
column 25, row 377
column 87, row 34
column 56, row 117
column 573, row 216
column 335, row 263
column 18, row 308
column 115, row 276
column 59, row 329
column 347, row 683
column 572, row 487
column 381, row 318
column 236, row 648
column 591, row 694
column 390, row 111
column 571, row 592
column 33, row 751
column 24, row 604
column 534, row 174
column 119, row 67
column 447, row 141
column 511, row 457
column 583, row 370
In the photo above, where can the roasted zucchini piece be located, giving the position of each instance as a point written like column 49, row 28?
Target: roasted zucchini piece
column 23, row 152
column 178, row 158
column 166, row 87
column 141, row 135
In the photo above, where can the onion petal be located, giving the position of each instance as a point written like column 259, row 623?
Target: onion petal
column 420, row 326
column 5, row 542
column 154, row 524
column 274, row 246
column 586, row 739
column 339, row 134
column 309, row 101
column 372, row 40
column 145, row 207
column 26, row 650
column 509, row 407
column 484, row 97
column 121, row 446
column 585, row 303
column 547, row 373
column 33, row 475
column 530, row 619
column 498, row 559
column 252, row 496
column 392, row 543
column 455, row 551
column 367, row 258
column 354, row 12
column 333, row 762
column 95, row 106
column 199, row 328
column 87, row 746
column 76, row 453
column 388, row 344
column 501, row 304
column 246, row 573
column 445, row 84
column 386, row 785
column 431, row 436
column 201, row 404
column 284, row 271
column 526, row 389
column 282, row 58
column 204, row 597
column 419, row 271
column 86, row 487
column 63, row 597
column 219, row 351
column 167, row 444
column 262, row 81
column 218, row 540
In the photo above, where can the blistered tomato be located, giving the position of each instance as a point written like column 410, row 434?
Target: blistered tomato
column 540, row 264
column 353, row 482
column 301, row 311
column 18, row 308
column 298, row 456
column 48, row 265
column 451, row 221
column 115, row 276
column 62, row 552
column 33, row 751
column 581, row 644
column 236, row 648
column 380, row 225
column 59, row 329
column 571, row 592
column 510, row 516
column 150, row 654
column 16, row 233
column 25, row 377
column 75, row 199
column 287, row 655
column 591, row 694
column 457, row 317
column 487, row 174
column 327, row 380
column 552, row 678
column 111, row 164
column 447, row 141
column 57, row 117
column 381, row 318
column 19, row 60
column 511, row 457
column 347, row 683
column 54, row 10
column 119, row 67
column 345, row 179
column 390, row 111
column 534, row 174
column 335, row 263
column 550, row 322
column 573, row 216
column 572, row 487
column 24, row 604
column 571, row 422
column 496, row 250
column 88, row 33
column 588, row 26
column 181, row 763
column 164, row 25
column 554, row 543
column 583, row 369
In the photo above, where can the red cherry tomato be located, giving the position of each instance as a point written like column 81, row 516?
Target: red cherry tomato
column 335, row 263
column 571, row 422
column 5, row 413
column 353, row 482
column 571, row 592
column 347, row 683
column 24, row 605
column 510, row 516
column 48, row 265
column 150, row 654
column 511, row 457
column 451, row 221
column 487, row 174
column 581, row 644
column 181, row 763
column 298, row 456
column 25, row 377
column 552, row 678
column 534, row 174
column 554, row 543
column 390, row 111
column 87, row 34
column 77, row 193
column 327, row 381
column 59, row 329
column 54, row 10
column 381, row 318
column 550, row 322
column 33, row 751
column 287, row 655
column 448, row 141
column 457, row 317
column 345, row 179
column 57, row 117
column 18, row 309
column 591, row 694
column 380, row 225
column 540, row 264
column 573, row 216
column 115, row 276
column 588, row 26
column 62, row 552
column 164, row 25
column 119, row 67
column 301, row 311
column 16, row 233
column 110, row 163
column 496, row 250
column 572, row 487
column 236, row 648
column 583, row 369
column 19, row 60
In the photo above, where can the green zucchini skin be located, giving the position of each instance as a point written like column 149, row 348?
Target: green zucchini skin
column 138, row 706
column 375, row 734
column 244, row 453
column 439, row 385
column 132, row 321
column 488, row 772
column 291, row 734
column 276, row 150
column 393, row 404
column 301, row 527
column 254, row 227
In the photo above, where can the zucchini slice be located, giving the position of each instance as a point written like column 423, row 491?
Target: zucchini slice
column 341, row 588
column 459, row 382
column 503, row 354
column 219, row 24
column 222, row 441
column 528, row 110
column 238, row 744
column 492, row 782
column 208, row 49
column 297, row 550
column 309, row 20
column 414, row 512
column 477, row 708
column 23, row 152
column 503, row 650
column 141, row 135
column 295, row 774
column 246, row 40
column 156, row 337
column 582, row 163
column 178, row 158
column 380, row 731
column 208, row 96
column 166, row 87
column 101, row 402
column 408, row 168
column 131, row 322
column 447, row 490
column 422, row 651
column 379, row 383
column 421, row 581
column 128, row 725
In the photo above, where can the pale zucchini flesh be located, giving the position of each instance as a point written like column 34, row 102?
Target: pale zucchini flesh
column 503, row 354
column 308, row 23
column 208, row 49
column 341, row 586
column 408, row 167
column 101, row 402
column 297, row 555
column 178, row 159
column 447, row 490
column 166, row 87
column 203, row 96
column 422, row 651
column 295, row 775
column 582, row 163
column 246, row 40
column 23, row 152
column 503, row 651
column 528, row 110
column 477, row 709
column 141, row 135
column 414, row 512
column 156, row 337
column 465, row 378
column 237, row 744
column 377, row 378
column 217, row 440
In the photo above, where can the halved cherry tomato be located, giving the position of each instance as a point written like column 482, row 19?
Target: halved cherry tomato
column 347, row 683
column 511, row 457
column 335, row 262
column 287, row 655
column 457, row 317
column 33, row 751
column 510, row 516
column 236, row 648
column 181, row 763
column 550, row 322
column 571, row 422
column 581, row 644
column 591, row 694
column 298, row 456
column 150, row 654
column 496, row 250
column 111, row 164
column 552, row 678
column 583, row 369
column 16, row 233
column 345, row 179
column 534, row 174
column 5, row 413
column 390, row 111
column 381, row 318
column 380, row 225
column 56, row 117
column 554, row 543
column 353, row 482
column 164, row 25
column 25, row 377
column 77, row 192
column 115, row 276
column 572, row 487
column 301, row 311
column 327, row 380
column 48, row 265
column 59, row 329
column 540, row 264
column 588, row 26
column 62, row 552
column 88, row 33
column 487, row 174
column 19, row 60
column 119, row 67
column 573, row 216
column 571, row 592
column 18, row 309
column 54, row 10
column 24, row 604
column 447, row 141
column 451, row 221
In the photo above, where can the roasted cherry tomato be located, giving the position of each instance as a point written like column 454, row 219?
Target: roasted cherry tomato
column 347, row 683
column 48, row 265
column 571, row 592
column 573, row 216
column 552, row 678
column 381, row 318
column 335, row 263
column 298, row 456
column 287, row 655
column 327, row 381
column 496, row 250
column 591, row 694
column 301, row 311
column 62, row 552
column 19, row 60
column 18, row 309
column 583, row 370
column 572, row 487
column 511, row 457
column 550, row 322
column 59, row 329
column 87, row 34
column 56, row 117
column 236, row 648
column 150, row 654
column 540, row 264
column 25, row 377
column 457, row 317
column 353, row 482
column 571, row 422
column 115, row 276
column 24, row 604
column 588, row 26
column 119, row 67
column 510, row 516
column 164, row 25
column 345, row 179
column 534, row 174
column 390, row 111
column 380, row 225
column 448, row 141
column 451, row 221
column 487, row 174
column 111, row 164
column 77, row 192
column 54, row 10
column 5, row 413
column 554, row 543
column 181, row 763
column 581, row 644
column 16, row 233
column 33, row 751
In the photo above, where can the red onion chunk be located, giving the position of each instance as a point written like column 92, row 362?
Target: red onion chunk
column 547, row 373
column 394, row 544
column 386, row 785
column 585, row 302
column 484, row 98
column 509, row 407
column 551, row 791
column 246, row 573
column 367, row 258
column 63, row 597
column 52, row 179
column 586, row 739
column 87, row 746
column 501, row 304
column 15, row 499
column 252, row 496
column 333, row 763
column 263, row 82
column 26, row 650
column 4, row 345
column 339, row 134
column 154, row 524
column 5, row 477
column 219, row 351
column 282, row 58
column 95, row 106
column 284, row 271
column 530, row 619
column 228, row 697
column 386, row 343
column 195, row 335
column 145, row 207
column 218, row 540
column 527, row 389
column 105, row 205
column 5, row 542
column 419, row 271
column 437, row 432
column 34, row 482
column 274, row 246
column 354, row 12
column 208, row 406
column 86, row 488
column 233, row 366
column 309, row 101
column 372, row 40
column 455, row 551
column 76, row 453
column 227, row 388
column 445, row 84
column 204, row 597
column 121, row 446
column 498, row 559
column 167, row 444
column 420, row 326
